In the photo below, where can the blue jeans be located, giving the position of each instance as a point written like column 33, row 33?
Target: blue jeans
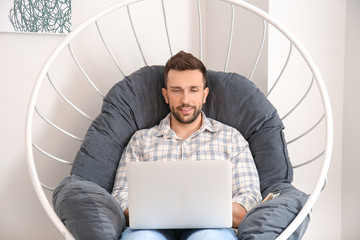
column 181, row 234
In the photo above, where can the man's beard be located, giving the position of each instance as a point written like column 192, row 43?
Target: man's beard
column 188, row 119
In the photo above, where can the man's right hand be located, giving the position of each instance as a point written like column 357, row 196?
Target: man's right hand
column 126, row 214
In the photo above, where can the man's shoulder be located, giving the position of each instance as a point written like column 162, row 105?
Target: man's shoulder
column 145, row 131
column 155, row 131
column 222, row 127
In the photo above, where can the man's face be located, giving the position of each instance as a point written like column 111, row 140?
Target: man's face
column 185, row 94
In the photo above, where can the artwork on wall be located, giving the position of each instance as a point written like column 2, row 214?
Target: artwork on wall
column 35, row 16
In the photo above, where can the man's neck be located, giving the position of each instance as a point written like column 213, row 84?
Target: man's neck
column 184, row 131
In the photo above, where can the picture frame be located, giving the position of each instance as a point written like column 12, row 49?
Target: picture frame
column 36, row 16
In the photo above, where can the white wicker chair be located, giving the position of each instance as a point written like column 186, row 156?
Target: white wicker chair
column 92, row 58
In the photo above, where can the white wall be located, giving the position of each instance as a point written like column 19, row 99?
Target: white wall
column 20, row 60
column 351, row 130
column 320, row 26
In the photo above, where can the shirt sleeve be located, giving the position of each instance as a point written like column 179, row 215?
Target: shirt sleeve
column 130, row 153
column 246, row 183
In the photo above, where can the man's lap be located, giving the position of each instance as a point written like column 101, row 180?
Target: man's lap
column 182, row 234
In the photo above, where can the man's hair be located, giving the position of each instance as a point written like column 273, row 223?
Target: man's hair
column 184, row 61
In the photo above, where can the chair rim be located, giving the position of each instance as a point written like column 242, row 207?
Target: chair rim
column 240, row 3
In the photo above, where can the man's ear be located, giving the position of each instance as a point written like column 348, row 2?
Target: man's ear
column 164, row 93
column 206, row 93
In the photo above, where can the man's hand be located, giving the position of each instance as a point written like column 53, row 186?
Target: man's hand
column 126, row 214
column 238, row 213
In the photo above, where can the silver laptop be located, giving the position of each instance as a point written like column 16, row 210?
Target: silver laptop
column 170, row 195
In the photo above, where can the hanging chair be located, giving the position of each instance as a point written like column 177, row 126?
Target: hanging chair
column 103, row 82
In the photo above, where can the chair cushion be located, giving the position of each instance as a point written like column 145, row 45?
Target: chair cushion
column 269, row 219
column 133, row 103
column 236, row 101
column 88, row 210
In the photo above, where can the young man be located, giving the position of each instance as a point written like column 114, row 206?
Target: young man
column 186, row 134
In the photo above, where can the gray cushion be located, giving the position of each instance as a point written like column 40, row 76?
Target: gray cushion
column 133, row 103
column 236, row 101
column 267, row 220
column 88, row 210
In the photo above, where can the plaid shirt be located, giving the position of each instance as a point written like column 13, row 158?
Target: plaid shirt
column 213, row 141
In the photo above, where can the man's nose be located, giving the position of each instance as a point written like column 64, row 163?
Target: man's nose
column 185, row 97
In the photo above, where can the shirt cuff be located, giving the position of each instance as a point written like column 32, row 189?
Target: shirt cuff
column 122, row 201
column 124, row 205
column 248, row 202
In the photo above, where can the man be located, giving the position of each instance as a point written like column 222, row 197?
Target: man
column 186, row 134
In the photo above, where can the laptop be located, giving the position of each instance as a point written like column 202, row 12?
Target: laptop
column 172, row 195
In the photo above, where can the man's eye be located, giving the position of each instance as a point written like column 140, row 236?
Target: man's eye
column 194, row 90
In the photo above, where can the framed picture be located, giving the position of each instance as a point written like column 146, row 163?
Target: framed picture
column 35, row 16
